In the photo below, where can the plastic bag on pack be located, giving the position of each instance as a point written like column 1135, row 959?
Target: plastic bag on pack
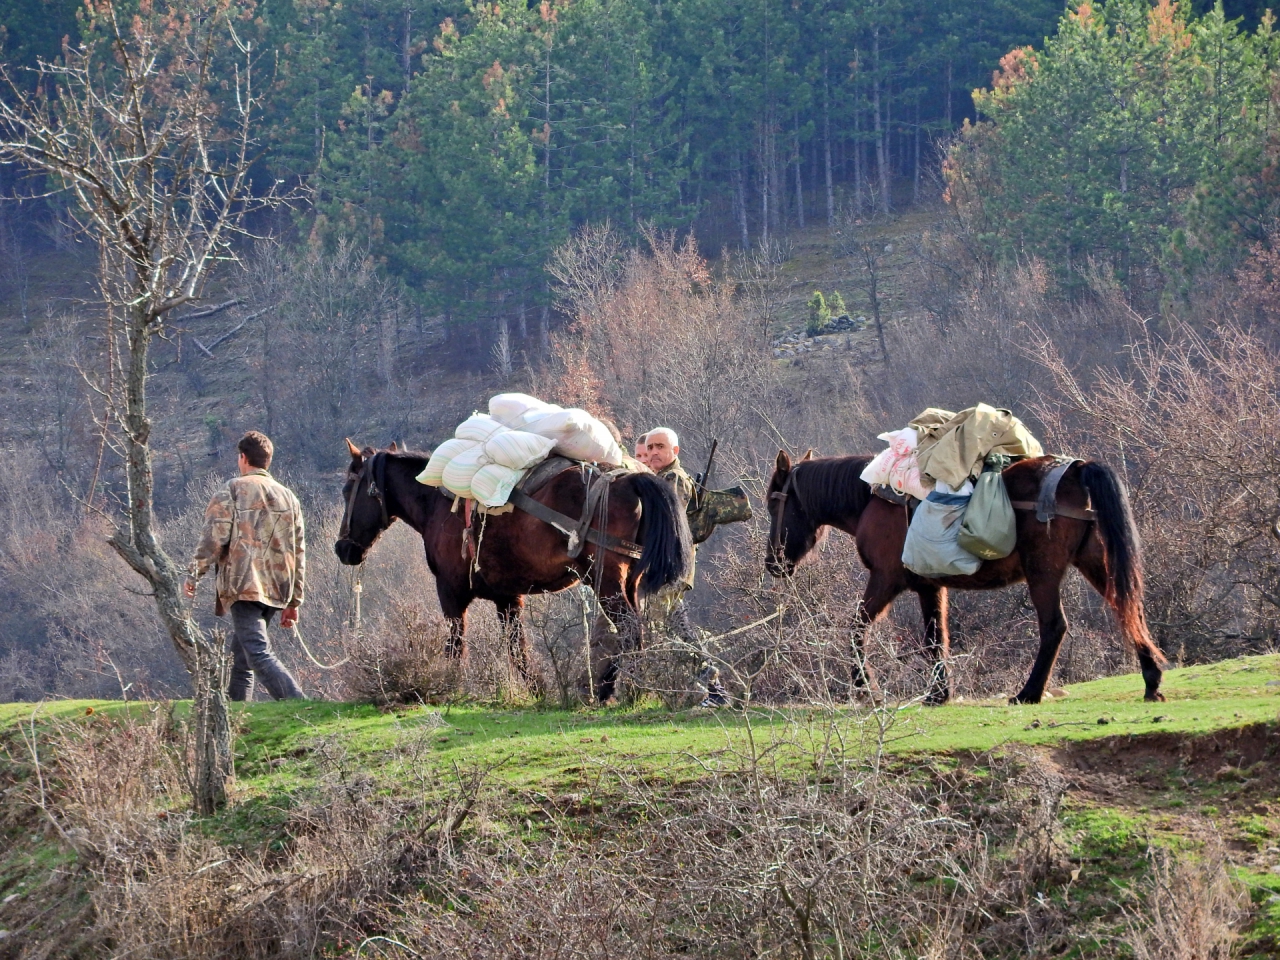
column 896, row 467
column 433, row 475
column 989, row 529
column 932, row 548
column 479, row 427
column 518, row 449
column 459, row 471
column 492, row 484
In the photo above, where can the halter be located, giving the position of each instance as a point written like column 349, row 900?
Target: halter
column 788, row 489
column 375, row 470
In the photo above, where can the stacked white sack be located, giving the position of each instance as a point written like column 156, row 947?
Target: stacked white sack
column 490, row 452
column 577, row 434
column 485, row 460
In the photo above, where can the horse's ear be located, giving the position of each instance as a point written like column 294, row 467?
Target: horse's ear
column 808, row 456
column 784, row 462
column 394, row 448
column 352, row 448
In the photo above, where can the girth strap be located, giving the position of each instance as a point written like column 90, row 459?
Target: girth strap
column 1046, row 506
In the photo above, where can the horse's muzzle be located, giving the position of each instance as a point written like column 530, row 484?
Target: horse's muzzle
column 349, row 552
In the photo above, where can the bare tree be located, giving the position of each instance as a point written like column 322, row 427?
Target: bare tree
column 156, row 154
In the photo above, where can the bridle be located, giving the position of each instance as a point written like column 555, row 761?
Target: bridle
column 374, row 471
column 788, row 490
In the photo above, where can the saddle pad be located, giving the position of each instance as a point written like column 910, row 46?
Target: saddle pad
column 543, row 473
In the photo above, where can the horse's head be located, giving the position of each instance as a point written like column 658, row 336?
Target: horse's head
column 365, row 515
column 792, row 534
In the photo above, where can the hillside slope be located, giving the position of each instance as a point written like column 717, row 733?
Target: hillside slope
column 1194, row 775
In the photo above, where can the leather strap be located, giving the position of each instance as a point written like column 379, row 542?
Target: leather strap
column 1061, row 510
column 568, row 526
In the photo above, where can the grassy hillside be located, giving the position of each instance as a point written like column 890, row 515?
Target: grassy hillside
column 1195, row 772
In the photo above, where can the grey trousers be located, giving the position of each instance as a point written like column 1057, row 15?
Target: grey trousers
column 251, row 655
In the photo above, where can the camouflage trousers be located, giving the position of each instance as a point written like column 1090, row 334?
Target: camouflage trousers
column 679, row 625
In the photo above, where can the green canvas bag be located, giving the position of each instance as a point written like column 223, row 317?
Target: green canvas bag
column 989, row 529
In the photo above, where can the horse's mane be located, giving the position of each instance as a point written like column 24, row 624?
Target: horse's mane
column 832, row 487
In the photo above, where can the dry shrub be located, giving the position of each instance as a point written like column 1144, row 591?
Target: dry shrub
column 657, row 339
column 407, row 665
column 1191, row 908
column 1194, row 426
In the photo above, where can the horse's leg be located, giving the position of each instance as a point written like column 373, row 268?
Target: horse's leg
column 933, row 607
column 518, row 653
column 880, row 593
column 1045, row 587
column 1091, row 561
column 453, row 604
column 616, row 632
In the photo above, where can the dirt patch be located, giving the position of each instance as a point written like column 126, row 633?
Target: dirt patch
column 1223, row 785
column 1146, row 763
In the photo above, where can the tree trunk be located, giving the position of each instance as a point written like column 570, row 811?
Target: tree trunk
column 826, row 145
column 214, row 766
column 799, row 181
column 138, row 545
column 882, row 160
column 740, row 201
column 857, row 163
column 915, row 183
column 406, row 47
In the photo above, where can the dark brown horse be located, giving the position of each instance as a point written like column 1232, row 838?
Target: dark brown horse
column 807, row 498
column 505, row 557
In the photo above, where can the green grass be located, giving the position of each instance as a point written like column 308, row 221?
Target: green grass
column 529, row 747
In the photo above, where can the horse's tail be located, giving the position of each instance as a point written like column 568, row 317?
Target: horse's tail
column 1123, row 549
column 666, row 554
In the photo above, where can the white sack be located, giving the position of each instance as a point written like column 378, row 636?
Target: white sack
column 492, row 484
column 459, row 471
column 578, row 435
column 478, row 426
column 509, row 408
column 433, row 475
column 517, row 449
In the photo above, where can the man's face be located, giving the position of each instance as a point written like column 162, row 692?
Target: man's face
column 642, row 453
column 661, row 452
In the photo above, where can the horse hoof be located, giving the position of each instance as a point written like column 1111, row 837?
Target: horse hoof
column 937, row 700
column 1022, row 699
column 1154, row 696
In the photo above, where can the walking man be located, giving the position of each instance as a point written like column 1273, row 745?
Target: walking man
column 663, row 447
column 253, row 534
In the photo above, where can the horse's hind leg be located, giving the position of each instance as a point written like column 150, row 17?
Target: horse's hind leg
column 513, row 632
column 1046, row 596
column 933, row 607
column 881, row 591
column 1092, row 564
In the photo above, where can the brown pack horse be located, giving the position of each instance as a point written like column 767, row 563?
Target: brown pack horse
column 506, row 557
column 807, row 498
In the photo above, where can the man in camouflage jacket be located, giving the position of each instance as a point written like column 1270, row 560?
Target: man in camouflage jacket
column 253, row 534
column 663, row 446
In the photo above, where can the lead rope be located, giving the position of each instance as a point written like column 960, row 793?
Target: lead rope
column 357, row 588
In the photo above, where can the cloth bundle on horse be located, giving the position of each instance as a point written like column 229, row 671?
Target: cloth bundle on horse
column 1068, row 513
column 622, row 531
